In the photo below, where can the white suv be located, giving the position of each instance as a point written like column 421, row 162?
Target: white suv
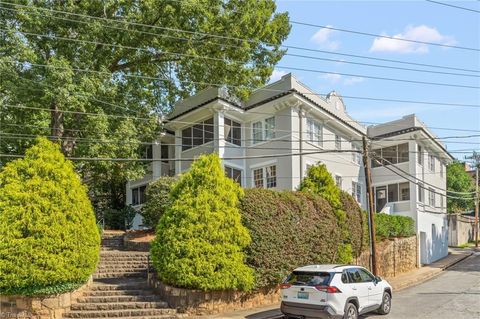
column 334, row 291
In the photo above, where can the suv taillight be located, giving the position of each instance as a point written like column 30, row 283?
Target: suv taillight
column 328, row 289
column 285, row 286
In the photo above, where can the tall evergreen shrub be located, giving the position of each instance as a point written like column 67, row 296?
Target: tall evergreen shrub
column 49, row 241
column 200, row 238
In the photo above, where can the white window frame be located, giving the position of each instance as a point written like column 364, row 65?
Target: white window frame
column 267, row 132
column 431, row 162
column 265, row 182
column 228, row 167
column 233, row 127
column 357, row 191
column 338, row 142
column 431, row 197
column 315, row 132
column 338, row 180
column 356, row 157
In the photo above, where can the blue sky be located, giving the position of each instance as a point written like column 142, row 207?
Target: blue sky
column 418, row 20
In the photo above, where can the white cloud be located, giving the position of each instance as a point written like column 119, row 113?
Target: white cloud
column 353, row 80
column 276, row 75
column 323, row 38
column 335, row 78
column 418, row 33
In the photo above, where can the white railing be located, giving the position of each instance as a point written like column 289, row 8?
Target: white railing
column 396, row 207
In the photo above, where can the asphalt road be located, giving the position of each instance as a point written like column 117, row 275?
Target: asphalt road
column 455, row 294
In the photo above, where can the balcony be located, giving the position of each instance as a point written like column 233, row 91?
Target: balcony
column 396, row 207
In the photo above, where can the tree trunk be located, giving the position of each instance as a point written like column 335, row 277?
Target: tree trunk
column 56, row 122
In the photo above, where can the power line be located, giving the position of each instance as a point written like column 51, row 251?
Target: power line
column 244, row 127
column 243, row 62
column 288, row 68
column 453, row 6
column 238, row 86
column 226, row 37
column 385, row 36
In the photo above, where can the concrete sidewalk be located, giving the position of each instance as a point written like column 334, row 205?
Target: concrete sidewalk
column 420, row 275
column 400, row 282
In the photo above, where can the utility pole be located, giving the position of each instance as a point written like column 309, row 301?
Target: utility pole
column 476, row 159
column 371, row 210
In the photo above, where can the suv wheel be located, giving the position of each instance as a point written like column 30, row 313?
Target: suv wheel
column 386, row 304
column 351, row 311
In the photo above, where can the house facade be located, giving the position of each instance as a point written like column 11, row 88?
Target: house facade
column 271, row 140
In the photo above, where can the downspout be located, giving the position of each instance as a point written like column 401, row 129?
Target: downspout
column 300, row 148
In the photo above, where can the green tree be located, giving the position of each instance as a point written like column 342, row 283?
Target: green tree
column 320, row 181
column 200, row 238
column 141, row 57
column 49, row 239
column 458, row 180
column 158, row 200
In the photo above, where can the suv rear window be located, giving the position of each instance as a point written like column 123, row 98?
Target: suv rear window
column 308, row 278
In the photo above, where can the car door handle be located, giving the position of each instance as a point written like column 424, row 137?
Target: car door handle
column 353, row 288
column 369, row 288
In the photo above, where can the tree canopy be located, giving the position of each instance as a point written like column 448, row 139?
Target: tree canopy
column 124, row 63
column 458, row 180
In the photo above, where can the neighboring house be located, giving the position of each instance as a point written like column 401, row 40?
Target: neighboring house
column 407, row 147
column 268, row 141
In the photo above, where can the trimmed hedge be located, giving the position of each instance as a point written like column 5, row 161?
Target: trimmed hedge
column 388, row 226
column 200, row 238
column 289, row 229
column 49, row 241
column 158, row 200
column 356, row 224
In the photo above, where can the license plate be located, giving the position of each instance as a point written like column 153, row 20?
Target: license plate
column 302, row 295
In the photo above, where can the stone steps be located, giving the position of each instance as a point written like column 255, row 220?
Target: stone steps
column 120, row 288
column 123, row 274
column 112, row 293
column 120, row 313
column 146, row 297
column 119, row 305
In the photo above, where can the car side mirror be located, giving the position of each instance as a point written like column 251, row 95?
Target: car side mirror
column 378, row 279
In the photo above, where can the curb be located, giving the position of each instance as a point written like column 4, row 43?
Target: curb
column 432, row 274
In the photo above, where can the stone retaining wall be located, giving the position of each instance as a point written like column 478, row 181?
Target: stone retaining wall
column 199, row 302
column 395, row 256
column 49, row 307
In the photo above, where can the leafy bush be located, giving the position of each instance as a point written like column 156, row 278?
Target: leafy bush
column 389, row 226
column 158, row 200
column 119, row 219
column 290, row 229
column 200, row 239
column 320, row 181
column 49, row 239
column 356, row 224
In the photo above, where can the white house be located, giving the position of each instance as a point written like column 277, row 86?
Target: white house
column 270, row 140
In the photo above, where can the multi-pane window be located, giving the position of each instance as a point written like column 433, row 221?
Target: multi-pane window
column 263, row 130
column 338, row 142
column 270, row 128
column 265, row 177
column 396, row 192
column 431, row 197
column 431, row 162
column 357, row 191
column 148, row 151
column 420, row 154
column 356, row 155
column 271, row 174
column 338, row 181
column 164, row 154
column 234, row 174
column 258, row 177
column 420, row 193
column 257, row 132
column 198, row 134
column 314, row 132
column 138, row 195
column 233, row 132
column 391, row 155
